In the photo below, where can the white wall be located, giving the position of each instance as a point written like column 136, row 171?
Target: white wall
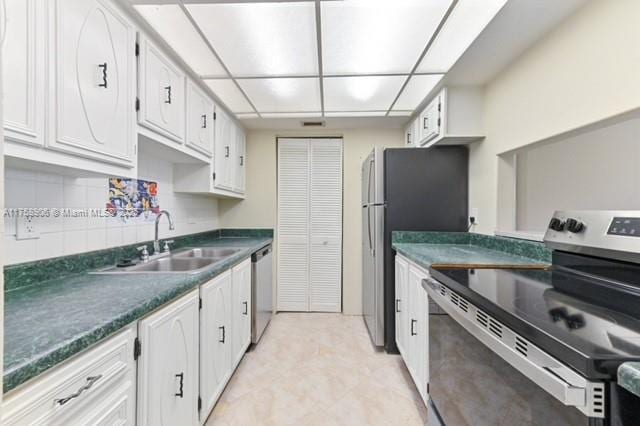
column 260, row 207
column 583, row 72
column 64, row 236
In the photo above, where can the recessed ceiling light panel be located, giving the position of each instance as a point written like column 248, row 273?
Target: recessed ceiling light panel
column 229, row 93
column 261, row 39
column 362, row 93
column 416, row 90
column 283, row 94
column 377, row 36
column 175, row 28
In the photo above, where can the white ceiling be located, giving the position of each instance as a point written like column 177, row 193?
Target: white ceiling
column 315, row 58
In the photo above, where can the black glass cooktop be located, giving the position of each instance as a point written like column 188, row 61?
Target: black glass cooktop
column 591, row 324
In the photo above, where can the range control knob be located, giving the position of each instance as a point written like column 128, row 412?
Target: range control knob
column 556, row 224
column 574, row 225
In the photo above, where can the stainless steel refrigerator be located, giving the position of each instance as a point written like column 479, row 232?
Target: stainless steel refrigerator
column 405, row 189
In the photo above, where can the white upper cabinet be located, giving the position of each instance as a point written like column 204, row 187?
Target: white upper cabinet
column 161, row 87
column 200, row 120
column 453, row 117
column 240, row 161
column 92, row 91
column 431, row 121
column 223, row 156
column 23, row 70
column 168, row 367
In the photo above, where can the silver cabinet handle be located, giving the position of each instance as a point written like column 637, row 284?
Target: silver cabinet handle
column 413, row 333
column 168, row 100
column 425, row 123
column 226, row 152
column 246, row 308
column 204, row 121
column 397, row 305
column 90, row 381
column 223, row 334
column 180, row 392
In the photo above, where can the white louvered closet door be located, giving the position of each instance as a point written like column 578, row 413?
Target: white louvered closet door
column 309, row 225
column 325, row 221
column 293, row 225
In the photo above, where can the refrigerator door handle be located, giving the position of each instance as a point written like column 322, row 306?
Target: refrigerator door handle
column 371, row 163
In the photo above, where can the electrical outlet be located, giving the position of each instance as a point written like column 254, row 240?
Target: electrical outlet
column 27, row 228
column 473, row 213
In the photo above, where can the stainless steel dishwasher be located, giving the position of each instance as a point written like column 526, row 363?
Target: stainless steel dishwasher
column 261, row 291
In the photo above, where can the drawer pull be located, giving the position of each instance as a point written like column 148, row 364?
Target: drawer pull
column 246, row 308
column 90, row 381
column 104, row 75
column 413, row 333
column 168, row 99
column 223, row 334
column 181, row 391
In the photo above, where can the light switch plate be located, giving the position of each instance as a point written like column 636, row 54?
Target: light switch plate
column 27, row 228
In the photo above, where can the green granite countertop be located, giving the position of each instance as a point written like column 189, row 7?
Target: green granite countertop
column 629, row 377
column 462, row 248
column 48, row 321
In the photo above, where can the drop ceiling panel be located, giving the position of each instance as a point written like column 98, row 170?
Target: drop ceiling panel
column 466, row 22
column 175, row 28
column 356, row 114
column 261, row 39
column 228, row 93
column 283, row 94
column 415, row 91
column 316, row 114
column 369, row 93
column 376, row 36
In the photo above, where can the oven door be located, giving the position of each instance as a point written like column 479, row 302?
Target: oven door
column 470, row 384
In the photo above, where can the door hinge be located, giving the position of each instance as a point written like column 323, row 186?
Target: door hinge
column 137, row 104
column 427, row 387
column 137, row 349
column 214, row 176
column 438, row 122
column 214, row 116
column 137, row 49
column 439, row 106
column 200, row 304
column 199, row 403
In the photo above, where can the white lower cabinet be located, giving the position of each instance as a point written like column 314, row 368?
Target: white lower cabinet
column 412, row 322
column 241, row 310
column 168, row 364
column 215, row 340
column 401, row 304
column 97, row 387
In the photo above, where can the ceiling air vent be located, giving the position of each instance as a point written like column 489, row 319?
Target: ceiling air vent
column 313, row 124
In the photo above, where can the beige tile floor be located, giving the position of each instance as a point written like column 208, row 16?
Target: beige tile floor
column 318, row 369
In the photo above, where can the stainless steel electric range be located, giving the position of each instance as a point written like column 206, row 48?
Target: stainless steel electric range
column 515, row 347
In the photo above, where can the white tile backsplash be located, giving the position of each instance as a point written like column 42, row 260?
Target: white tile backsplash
column 64, row 236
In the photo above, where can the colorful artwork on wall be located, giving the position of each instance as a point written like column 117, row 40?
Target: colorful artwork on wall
column 133, row 199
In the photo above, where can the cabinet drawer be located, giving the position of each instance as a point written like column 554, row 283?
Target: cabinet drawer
column 75, row 389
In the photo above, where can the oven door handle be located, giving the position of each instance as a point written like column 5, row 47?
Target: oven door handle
column 537, row 365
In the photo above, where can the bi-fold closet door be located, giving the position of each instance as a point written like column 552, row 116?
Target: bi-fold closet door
column 309, row 225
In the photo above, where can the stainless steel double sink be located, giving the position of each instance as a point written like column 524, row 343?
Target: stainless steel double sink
column 190, row 261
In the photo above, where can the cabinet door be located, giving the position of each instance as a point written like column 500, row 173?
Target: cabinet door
column 431, row 121
column 168, row 366
column 23, row 70
column 241, row 309
column 93, row 88
column 215, row 340
column 200, row 123
column 401, row 305
column 223, row 147
column 409, row 136
column 240, row 159
column 161, row 86
column 418, row 328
